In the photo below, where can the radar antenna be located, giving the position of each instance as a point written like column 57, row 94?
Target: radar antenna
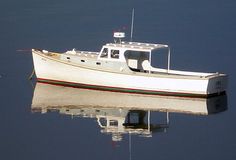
column 118, row 36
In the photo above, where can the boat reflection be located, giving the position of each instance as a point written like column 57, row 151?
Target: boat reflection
column 120, row 113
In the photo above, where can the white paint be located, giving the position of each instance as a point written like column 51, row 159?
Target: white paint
column 48, row 68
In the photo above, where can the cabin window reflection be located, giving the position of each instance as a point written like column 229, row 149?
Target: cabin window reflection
column 104, row 53
column 113, row 123
column 115, row 54
column 103, row 121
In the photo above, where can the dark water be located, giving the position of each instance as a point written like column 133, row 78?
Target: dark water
column 202, row 38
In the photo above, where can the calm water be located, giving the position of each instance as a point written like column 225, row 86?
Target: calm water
column 202, row 38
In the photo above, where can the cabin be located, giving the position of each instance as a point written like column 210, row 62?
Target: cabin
column 119, row 56
column 137, row 56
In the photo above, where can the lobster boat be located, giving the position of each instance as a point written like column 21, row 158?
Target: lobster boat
column 124, row 66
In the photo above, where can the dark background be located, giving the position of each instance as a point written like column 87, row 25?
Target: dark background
column 201, row 35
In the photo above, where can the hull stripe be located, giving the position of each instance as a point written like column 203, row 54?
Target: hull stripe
column 126, row 90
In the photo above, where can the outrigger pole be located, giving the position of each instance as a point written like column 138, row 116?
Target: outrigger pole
column 168, row 61
column 132, row 26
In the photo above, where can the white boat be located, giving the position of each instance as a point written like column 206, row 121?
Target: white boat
column 124, row 67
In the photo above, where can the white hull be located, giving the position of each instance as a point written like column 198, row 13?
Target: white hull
column 64, row 73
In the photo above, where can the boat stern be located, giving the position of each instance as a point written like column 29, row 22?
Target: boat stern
column 217, row 84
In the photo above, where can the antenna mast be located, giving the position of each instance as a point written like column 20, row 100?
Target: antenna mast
column 132, row 26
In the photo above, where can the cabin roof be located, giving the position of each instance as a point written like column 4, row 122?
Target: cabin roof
column 136, row 46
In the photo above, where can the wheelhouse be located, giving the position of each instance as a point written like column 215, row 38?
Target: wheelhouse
column 138, row 56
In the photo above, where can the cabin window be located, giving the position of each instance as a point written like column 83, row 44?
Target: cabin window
column 104, row 53
column 115, row 54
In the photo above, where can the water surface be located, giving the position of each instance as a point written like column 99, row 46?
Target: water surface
column 202, row 38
